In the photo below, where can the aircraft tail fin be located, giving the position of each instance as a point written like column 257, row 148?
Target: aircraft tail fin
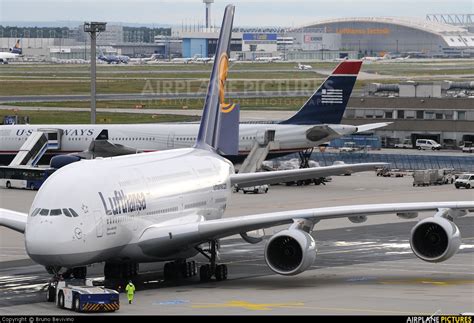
column 219, row 129
column 328, row 103
column 17, row 48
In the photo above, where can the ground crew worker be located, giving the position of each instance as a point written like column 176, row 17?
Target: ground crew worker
column 130, row 291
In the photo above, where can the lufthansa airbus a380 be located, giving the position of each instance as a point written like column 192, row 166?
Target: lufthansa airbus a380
column 163, row 206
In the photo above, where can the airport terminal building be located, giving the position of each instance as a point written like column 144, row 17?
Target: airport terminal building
column 321, row 40
column 375, row 36
column 449, row 121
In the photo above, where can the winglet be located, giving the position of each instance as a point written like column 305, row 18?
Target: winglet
column 220, row 121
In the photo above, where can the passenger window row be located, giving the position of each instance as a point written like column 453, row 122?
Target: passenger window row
column 55, row 212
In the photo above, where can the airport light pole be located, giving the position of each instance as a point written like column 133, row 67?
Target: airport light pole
column 93, row 28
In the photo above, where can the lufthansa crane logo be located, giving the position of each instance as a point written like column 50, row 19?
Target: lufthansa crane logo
column 223, row 69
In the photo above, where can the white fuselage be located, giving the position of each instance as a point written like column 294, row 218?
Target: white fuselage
column 117, row 199
column 7, row 55
column 157, row 137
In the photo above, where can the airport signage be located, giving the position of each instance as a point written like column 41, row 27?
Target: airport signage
column 259, row 37
column 312, row 39
column 361, row 31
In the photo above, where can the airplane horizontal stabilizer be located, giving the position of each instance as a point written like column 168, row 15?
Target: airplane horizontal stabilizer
column 372, row 126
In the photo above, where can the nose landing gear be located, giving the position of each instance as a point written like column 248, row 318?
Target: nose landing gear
column 77, row 272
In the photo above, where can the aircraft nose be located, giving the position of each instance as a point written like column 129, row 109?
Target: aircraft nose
column 46, row 241
column 40, row 240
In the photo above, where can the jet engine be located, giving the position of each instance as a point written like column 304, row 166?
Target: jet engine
column 290, row 252
column 63, row 160
column 435, row 239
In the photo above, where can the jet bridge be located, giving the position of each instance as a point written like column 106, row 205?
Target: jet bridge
column 263, row 143
column 36, row 145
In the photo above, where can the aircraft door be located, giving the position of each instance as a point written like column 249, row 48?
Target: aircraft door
column 265, row 136
column 260, row 136
column 99, row 224
column 54, row 137
column 170, row 143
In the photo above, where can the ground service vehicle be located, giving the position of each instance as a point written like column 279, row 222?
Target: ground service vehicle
column 255, row 189
column 467, row 147
column 465, row 180
column 427, row 144
column 406, row 143
column 23, row 176
column 349, row 147
column 81, row 295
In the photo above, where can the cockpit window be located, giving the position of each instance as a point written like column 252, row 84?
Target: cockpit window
column 55, row 212
column 67, row 213
column 74, row 214
column 35, row 212
column 44, row 212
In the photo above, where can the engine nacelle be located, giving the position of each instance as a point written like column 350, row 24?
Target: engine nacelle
column 358, row 219
column 290, row 252
column 435, row 239
column 63, row 160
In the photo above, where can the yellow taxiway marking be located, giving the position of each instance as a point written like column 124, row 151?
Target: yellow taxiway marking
column 249, row 306
column 270, row 306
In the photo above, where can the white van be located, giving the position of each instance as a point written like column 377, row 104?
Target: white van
column 427, row 144
column 465, row 180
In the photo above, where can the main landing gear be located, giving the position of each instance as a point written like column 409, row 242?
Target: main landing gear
column 207, row 271
column 177, row 269
column 185, row 269
column 305, row 156
column 118, row 271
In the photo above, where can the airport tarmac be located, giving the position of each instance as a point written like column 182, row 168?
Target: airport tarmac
column 365, row 268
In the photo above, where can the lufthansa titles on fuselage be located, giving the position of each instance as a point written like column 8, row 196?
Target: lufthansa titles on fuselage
column 121, row 203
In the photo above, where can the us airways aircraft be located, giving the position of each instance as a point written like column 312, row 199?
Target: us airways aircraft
column 164, row 206
column 317, row 121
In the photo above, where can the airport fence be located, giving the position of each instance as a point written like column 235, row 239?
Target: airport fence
column 400, row 161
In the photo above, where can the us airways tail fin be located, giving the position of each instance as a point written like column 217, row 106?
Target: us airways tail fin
column 328, row 103
column 219, row 129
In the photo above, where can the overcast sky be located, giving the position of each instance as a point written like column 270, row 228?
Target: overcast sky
column 248, row 12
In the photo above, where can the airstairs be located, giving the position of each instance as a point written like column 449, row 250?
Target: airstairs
column 260, row 149
column 37, row 143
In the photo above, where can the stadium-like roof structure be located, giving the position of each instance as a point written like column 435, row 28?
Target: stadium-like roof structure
column 416, row 23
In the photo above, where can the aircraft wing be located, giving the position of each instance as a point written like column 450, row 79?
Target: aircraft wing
column 274, row 177
column 179, row 236
column 372, row 126
column 13, row 220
